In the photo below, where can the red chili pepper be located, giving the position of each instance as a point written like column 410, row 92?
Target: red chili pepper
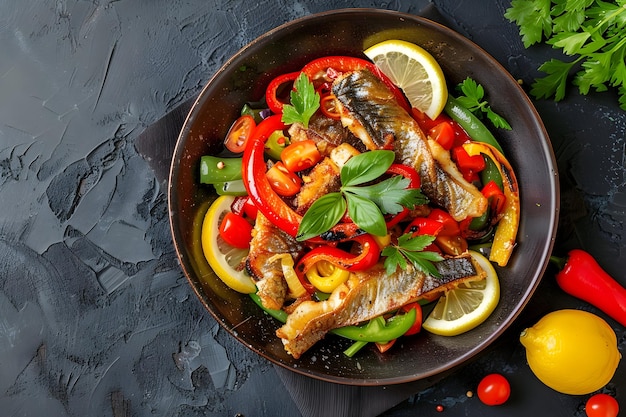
column 370, row 253
column 581, row 276
column 328, row 107
column 272, row 93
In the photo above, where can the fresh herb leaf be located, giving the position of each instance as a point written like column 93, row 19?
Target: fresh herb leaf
column 593, row 32
column 323, row 214
column 304, row 102
column 366, row 204
column 366, row 167
column 473, row 99
column 411, row 248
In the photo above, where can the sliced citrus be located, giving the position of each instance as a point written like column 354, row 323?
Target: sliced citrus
column 225, row 260
column 415, row 71
column 466, row 306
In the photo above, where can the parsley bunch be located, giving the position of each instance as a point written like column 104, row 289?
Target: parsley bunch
column 366, row 202
column 592, row 32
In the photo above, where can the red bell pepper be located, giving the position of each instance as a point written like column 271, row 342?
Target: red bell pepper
column 496, row 197
column 469, row 165
column 274, row 103
column 370, row 253
column 407, row 172
column 582, row 277
column 260, row 191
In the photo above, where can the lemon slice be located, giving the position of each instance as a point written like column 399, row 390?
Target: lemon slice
column 415, row 71
column 225, row 260
column 466, row 306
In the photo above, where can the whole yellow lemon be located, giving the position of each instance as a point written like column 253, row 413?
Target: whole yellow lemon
column 572, row 351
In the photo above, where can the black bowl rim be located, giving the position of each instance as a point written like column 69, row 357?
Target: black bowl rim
column 538, row 272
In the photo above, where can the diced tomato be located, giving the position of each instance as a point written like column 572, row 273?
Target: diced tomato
column 283, row 181
column 443, row 133
column 273, row 92
column 469, row 166
column 239, row 133
column 235, row 230
column 300, row 155
column 417, row 326
column 450, row 226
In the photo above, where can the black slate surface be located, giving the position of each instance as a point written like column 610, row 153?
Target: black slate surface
column 96, row 318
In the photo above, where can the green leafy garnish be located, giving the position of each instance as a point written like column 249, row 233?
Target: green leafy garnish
column 304, row 102
column 366, row 203
column 473, row 100
column 592, row 32
column 411, row 249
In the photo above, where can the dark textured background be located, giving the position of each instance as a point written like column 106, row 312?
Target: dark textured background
column 96, row 318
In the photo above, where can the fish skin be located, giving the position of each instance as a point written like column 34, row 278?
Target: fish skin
column 368, row 294
column 370, row 110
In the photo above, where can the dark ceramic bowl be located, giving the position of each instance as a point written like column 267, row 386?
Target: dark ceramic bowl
column 348, row 32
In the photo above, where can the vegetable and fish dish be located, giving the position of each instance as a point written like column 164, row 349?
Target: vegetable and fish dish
column 344, row 208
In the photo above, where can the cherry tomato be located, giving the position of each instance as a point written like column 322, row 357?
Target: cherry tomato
column 235, row 230
column 300, row 155
column 494, row 389
column 283, row 181
column 417, row 326
column 601, row 405
column 239, row 133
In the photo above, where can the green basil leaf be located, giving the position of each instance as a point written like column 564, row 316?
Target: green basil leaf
column 366, row 215
column 366, row 167
column 323, row 214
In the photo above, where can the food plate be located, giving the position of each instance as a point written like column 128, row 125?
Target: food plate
column 243, row 78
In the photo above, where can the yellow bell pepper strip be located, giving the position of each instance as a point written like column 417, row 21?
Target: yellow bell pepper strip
column 296, row 289
column 325, row 276
column 506, row 231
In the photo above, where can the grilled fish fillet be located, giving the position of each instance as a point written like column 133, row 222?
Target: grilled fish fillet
column 267, row 241
column 369, row 109
column 368, row 294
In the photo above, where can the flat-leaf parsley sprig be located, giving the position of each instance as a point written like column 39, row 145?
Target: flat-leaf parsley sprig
column 365, row 202
column 304, row 102
column 411, row 249
column 593, row 32
column 473, row 99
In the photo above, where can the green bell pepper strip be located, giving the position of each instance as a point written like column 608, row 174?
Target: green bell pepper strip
column 376, row 330
column 236, row 188
column 216, row 169
column 491, row 172
column 470, row 123
column 275, row 144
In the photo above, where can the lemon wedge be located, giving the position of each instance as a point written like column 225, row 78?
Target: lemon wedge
column 466, row 306
column 225, row 260
column 415, row 71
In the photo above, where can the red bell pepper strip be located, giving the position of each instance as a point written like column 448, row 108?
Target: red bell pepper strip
column 260, row 191
column 407, row 172
column 582, row 277
column 271, row 93
column 370, row 253
column 469, row 165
